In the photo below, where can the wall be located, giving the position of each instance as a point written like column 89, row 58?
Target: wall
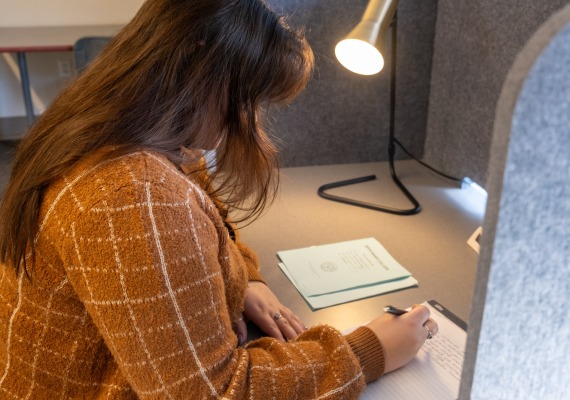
column 66, row 12
column 343, row 117
column 519, row 328
column 476, row 42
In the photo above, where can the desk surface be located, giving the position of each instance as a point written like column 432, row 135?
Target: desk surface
column 49, row 38
column 432, row 245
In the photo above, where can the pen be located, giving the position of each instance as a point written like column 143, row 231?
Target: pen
column 394, row 310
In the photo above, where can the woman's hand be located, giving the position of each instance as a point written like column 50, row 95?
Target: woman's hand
column 263, row 308
column 403, row 336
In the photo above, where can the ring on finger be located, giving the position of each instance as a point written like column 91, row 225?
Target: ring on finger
column 430, row 333
column 277, row 316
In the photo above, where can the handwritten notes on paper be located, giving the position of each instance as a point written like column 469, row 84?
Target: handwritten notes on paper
column 434, row 374
column 336, row 273
column 446, row 354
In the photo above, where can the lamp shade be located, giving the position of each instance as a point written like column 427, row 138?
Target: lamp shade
column 361, row 50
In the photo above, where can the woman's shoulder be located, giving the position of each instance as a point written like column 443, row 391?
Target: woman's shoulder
column 121, row 181
column 141, row 167
column 135, row 167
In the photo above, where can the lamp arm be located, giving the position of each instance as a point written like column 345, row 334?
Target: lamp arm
column 381, row 10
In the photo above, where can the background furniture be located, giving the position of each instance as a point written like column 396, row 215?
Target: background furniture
column 86, row 49
column 22, row 40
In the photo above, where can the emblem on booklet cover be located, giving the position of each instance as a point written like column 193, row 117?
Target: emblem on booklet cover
column 329, row 266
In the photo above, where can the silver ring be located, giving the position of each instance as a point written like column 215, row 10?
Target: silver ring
column 277, row 316
column 430, row 333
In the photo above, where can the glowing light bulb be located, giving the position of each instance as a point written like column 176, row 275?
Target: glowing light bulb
column 359, row 56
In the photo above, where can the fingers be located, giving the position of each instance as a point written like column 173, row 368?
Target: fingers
column 431, row 327
column 289, row 324
column 269, row 326
column 264, row 309
column 420, row 314
column 295, row 322
column 241, row 330
column 274, row 328
column 284, row 326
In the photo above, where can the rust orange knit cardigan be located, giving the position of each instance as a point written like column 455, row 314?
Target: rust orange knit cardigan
column 135, row 288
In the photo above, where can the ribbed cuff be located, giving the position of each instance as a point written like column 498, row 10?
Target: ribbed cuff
column 253, row 274
column 369, row 351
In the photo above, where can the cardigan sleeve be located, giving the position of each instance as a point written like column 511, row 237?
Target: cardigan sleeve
column 251, row 260
column 148, row 261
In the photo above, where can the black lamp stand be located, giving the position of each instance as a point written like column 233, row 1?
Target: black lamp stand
column 391, row 150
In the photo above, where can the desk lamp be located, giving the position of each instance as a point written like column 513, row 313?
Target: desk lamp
column 361, row 52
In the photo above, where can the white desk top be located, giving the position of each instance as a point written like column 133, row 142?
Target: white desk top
column 49, row 38
column 431, row 245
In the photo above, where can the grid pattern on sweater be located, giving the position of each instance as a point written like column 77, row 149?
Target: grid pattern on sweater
column 135, row 289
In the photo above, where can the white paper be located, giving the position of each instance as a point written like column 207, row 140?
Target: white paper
column 434, row 374
column 341, row 266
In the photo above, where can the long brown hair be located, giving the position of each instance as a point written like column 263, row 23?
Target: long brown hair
column 182, row 74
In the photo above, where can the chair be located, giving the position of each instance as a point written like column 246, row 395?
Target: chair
column 86, row 49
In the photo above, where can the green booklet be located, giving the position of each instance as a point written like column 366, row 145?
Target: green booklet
column 344, row 266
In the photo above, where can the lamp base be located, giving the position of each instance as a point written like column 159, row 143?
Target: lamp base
column 411, row 211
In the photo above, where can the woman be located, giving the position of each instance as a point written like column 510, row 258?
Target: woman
column 121, row 276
